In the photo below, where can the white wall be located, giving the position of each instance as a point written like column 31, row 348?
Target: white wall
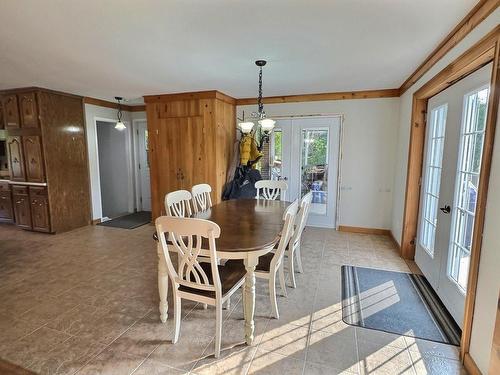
column 113, row 169
column 369, row 151
column 488, row 285
column 92, row 114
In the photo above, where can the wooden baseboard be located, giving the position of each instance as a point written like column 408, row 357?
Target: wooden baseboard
column 345, row 228
column 470, row 365
column 96, row 221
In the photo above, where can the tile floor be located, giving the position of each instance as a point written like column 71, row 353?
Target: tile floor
column 86, row 302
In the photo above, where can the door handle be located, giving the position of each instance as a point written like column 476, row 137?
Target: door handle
column 446, row 209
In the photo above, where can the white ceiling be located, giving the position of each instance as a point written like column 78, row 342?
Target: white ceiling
column 133, row 48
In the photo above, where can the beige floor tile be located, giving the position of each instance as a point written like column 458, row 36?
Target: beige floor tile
column 435, row 365
column 273, row 363
column 151, row 367
column 234, row 360
column 334, row 350
column 425, row 347
column 12, row 329
column 376, row 358
column 286, row 339
column 315, row 369
column 112, row 363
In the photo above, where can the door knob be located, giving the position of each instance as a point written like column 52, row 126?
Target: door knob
column 446, row 209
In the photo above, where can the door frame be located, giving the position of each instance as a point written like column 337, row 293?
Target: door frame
column 480, row 54
column 128, row 152
column 137, row 176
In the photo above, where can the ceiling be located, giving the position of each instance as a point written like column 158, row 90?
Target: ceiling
column 133, row 48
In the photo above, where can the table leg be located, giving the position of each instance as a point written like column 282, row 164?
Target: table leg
column 249, row 298
column 162, row 284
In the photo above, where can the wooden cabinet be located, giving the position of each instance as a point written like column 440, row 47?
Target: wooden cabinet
column 6, row 213
column 11, row 112
column 2, row 120
column 191, row 141
column 22, row 210
column 39, row 209
column 33, row 159
column 47, row 152
column 28, row 110
column 16, row 158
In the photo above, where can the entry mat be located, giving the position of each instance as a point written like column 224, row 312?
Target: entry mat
column 129, row 221
column 396, row 302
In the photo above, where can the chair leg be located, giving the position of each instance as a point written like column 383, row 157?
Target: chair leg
column 299, row 258
column 291, row 269
column 177, row 317
column 272, row 295
column 282, row 279
column 218, row 333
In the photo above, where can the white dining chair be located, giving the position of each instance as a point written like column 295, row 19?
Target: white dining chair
column 207, row 283
column 178, row 203
column 271, row 189
column 271, row 263
column 201, row 197
column 293, row 249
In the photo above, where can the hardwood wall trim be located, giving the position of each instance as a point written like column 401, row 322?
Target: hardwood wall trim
column 480, row 12
column 347, row 95
column 113, row 105
column 470, row 61
column 211, row 94
column 471, row 366
column 346, row 228
column 495, row 346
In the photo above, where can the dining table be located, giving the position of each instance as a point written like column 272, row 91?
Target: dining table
column 250, row 228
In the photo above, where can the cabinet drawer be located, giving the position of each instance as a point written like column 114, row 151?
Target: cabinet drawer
column 4, row 186
column 38, row 191
column 19, row 190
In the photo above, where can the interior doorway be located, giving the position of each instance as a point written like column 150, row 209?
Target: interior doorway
column 143, row 178
column 450, row 180
column 114, row 174
column 305, row 152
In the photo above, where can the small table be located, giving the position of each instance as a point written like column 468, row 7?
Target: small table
column 250, row 228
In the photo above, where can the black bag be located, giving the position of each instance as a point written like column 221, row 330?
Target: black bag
column 243, row 184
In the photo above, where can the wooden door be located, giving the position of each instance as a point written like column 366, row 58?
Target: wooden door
column 39, row 209
column 193, row 144
column 5, row 205
column 34, row 159
column 15, row 158
column 28, row 110
column 11, row 112
column 22, row 210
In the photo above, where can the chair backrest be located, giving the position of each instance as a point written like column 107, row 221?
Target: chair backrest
column 271, row 189
column 201, row 197
column 302, row 215
column 186, row 236
column 286, row 234
column 178, row 203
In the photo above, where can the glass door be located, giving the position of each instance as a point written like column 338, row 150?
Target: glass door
column 305, row 153
column 450, row 178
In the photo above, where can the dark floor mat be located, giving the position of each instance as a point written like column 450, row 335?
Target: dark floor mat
column 130, row 221
column 396, row 302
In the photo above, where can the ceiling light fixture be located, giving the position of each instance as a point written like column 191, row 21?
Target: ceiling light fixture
column 119, row 124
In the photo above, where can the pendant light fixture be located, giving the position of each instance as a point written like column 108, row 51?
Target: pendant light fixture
column 119, row 124
column 266, row 124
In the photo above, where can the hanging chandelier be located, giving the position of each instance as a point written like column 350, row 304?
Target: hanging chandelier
column 266, row 124
column 119, row 124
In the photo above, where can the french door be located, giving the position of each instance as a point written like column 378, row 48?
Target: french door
column 305, row 152
column 456, row 121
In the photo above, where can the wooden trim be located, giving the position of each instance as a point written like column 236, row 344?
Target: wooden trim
column 345, row 228
column 211, row 94
column 396, row 243
column 96, row 221
column 480, row 12
column 470, row 365
column 138, row 108
column 482, row 196
column 467, row 63
column 347, row 95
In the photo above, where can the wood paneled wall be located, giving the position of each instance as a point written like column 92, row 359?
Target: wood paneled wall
column 191, row 137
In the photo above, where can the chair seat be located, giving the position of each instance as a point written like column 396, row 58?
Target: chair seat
column 229, row 275
column 264, row 264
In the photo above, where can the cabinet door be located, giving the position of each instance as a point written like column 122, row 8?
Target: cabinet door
column 39, row 209
column 11, row 112
column 5, row 205
column 16, row 160
column 2, row 120
column 33, row 159
column 28, row 110
column 22, row 211
column 193, row 143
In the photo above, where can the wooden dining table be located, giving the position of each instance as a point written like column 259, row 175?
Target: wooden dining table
column 250, row 228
